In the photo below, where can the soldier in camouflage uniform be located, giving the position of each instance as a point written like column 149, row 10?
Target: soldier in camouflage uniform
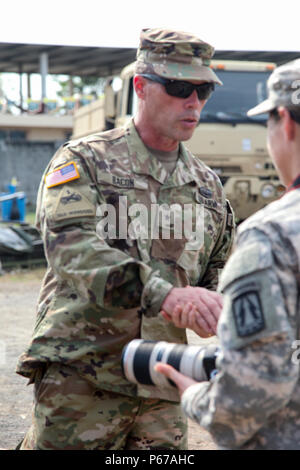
column 253, row 402
column 106, row 283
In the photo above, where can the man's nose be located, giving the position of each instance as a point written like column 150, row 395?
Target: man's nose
column 193, row 101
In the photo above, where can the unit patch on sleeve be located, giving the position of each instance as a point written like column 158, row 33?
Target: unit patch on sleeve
column 72, row 204
column 62, row 174
column 248, row 314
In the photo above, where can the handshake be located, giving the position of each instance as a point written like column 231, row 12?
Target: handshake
column 165, row 364
column 195, row 308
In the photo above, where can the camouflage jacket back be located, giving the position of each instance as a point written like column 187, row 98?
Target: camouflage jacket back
column 254, row 400
column 105, row 283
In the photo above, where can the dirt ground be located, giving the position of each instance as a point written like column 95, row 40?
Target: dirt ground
column 18, row 294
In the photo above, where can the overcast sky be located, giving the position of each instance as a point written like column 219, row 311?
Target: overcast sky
column 227, row 24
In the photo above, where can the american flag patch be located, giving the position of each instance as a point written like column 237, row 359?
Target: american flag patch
column 62, row 174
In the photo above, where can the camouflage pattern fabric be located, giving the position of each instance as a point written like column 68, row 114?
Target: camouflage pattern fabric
column 283, row 89
column 81, row 417
column 254, row 400
column 101, row 292
column 175, row 55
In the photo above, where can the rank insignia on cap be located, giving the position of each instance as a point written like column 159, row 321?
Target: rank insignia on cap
column 62, row 174
column 248, row 314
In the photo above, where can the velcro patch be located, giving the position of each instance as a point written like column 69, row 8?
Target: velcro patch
column 72, row 204
column 125, row 181
column 62, row 174
column 248, row 314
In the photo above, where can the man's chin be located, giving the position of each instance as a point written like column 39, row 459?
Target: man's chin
column 186, row 135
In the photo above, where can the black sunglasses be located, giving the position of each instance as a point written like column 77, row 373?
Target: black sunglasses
column 180, row 88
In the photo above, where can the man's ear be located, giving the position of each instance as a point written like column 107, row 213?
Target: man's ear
column 139, row 86
column 289, row 124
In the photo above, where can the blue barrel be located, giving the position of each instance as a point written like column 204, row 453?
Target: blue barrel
column 6, row 208
column 14, row 210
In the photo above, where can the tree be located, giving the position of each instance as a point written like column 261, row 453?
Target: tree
column 80, row 85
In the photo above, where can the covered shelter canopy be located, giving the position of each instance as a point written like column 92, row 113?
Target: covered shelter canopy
column 94, row 61
column 99, row 61
column 64, row 60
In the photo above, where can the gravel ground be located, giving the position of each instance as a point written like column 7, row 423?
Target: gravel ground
column 18, row 295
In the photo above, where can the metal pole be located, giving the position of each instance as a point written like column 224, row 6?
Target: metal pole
column 71, row 86
column 28, row 86
column 20, row 86
column 44, row 73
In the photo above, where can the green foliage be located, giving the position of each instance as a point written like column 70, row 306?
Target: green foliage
column 80, row 85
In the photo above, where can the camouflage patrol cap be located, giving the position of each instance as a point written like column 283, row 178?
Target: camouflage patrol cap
column 175, row 55
column 283, row 89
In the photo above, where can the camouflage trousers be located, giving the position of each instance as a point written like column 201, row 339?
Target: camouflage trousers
column 70, row 413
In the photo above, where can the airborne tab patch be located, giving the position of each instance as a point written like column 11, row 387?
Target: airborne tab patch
column 62, row 174
column 248, row 314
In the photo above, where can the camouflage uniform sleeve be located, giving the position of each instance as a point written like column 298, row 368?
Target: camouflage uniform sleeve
column 221, row 251
column 67, row 219
column 256, row 375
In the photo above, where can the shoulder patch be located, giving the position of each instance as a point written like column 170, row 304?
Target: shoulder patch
column 72, row 204
column 248, row 313
column 62, row 174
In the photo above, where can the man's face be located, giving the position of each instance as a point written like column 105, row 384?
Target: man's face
column 168, row 116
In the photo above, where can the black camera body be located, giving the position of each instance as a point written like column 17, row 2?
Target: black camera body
column 140, row 356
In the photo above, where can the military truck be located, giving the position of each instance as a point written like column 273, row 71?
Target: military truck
column 228, row 141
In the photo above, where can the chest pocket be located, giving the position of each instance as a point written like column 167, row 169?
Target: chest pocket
column 122, row 214
column 207, row 224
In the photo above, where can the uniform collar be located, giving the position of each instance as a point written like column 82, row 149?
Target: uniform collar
column 295, row 184
column 144, row 163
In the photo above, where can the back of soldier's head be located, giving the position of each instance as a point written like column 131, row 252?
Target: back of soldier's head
column 283, row 90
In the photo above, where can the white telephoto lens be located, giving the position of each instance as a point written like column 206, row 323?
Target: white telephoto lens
column 128, row 359
column 187, row 363
column 160, row 354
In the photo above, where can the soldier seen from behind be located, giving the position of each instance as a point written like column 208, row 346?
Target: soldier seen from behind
column 253, row 400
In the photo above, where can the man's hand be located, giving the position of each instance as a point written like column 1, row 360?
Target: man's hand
column 186, row 317
column 193, row 307
column 182, row 381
